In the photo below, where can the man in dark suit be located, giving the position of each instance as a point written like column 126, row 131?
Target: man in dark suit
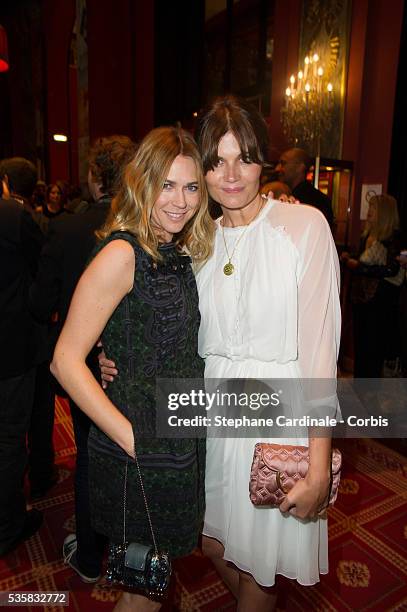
column 292, row 169
column 21, row 341
column 69, row 244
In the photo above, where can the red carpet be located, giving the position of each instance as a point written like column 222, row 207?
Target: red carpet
column 368, row 544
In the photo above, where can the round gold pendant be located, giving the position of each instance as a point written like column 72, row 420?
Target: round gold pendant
column 228, row 269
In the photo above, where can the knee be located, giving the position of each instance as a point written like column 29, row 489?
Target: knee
column 212, row 549
column 248, row 583
column 247, row 578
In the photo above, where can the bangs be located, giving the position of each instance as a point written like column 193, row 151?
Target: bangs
column 248, row 127
column 249, row 146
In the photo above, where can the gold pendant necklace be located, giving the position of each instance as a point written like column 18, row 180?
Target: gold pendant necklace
column 229, row 268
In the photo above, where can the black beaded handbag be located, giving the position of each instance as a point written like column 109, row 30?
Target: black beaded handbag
column 131, row 564
column 137, row 566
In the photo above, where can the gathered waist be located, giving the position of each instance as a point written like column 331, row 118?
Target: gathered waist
column 219, row 366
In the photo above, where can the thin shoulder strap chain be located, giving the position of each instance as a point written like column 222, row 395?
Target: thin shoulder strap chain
column 128, row 345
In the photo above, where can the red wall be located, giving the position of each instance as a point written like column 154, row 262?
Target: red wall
column 58, row 18
column 110, row 63
column 144, row 68
column 120, row 71
column 73, row 110
column 121, row 67
column 287, row 18
column 372, row 77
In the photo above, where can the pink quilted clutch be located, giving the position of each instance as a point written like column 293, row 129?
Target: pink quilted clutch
column 277, row 467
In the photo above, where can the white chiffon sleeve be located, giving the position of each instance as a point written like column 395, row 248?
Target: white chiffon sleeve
column 319, row 313
column 319, row 316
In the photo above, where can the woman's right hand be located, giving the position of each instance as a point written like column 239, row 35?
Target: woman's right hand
column 349, row 261
column 309, row 497
column 402, row 259
column 108, row 369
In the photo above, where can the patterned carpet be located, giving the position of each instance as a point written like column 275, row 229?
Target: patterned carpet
column 367, row 530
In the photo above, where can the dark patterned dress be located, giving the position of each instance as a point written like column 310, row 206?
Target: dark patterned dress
column 152, row 333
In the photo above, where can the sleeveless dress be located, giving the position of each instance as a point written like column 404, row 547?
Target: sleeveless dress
column 276, row 316
column 152, row 333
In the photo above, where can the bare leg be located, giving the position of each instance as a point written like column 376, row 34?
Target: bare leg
column 214, row 550
column 254, row 597
column 129, row 602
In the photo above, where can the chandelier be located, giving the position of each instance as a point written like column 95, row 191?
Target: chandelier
column 307, row 112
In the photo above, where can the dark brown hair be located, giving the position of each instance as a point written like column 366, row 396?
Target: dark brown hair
column 108, row 157
column 231, row 114
column 21, row 174
column 50, row 187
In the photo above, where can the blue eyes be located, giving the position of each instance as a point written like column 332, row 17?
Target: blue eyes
column 192, row 188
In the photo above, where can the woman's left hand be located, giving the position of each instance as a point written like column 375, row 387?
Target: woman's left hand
column 283, row 198
column 351, row 263
column 308, row 498
column 402, row 259
column 288, row 199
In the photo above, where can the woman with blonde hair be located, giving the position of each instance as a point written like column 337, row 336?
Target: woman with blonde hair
column 140, row 295
column 376, row 282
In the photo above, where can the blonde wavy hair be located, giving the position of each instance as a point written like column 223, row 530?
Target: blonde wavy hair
column 387, row 217
column 142, row 184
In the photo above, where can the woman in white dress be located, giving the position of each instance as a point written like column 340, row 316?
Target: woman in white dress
column 269, row 303
column 272, row 312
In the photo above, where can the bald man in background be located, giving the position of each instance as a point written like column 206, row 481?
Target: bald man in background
column 292, row 169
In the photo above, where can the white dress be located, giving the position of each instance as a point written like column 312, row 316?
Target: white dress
column 276, row 316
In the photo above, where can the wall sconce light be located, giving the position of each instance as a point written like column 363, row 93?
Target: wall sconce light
column 60, row 137
column 4, row 63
